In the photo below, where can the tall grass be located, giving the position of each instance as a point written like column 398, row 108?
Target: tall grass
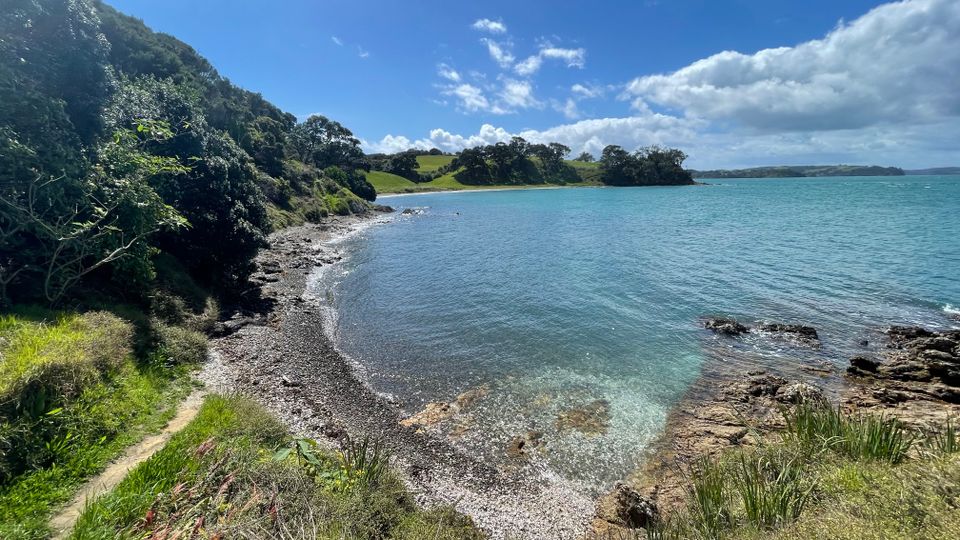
column 708, row 497
column 774, row 487
column 944, row 441
column 862, row 436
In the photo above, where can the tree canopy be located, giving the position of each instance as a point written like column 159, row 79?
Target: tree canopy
column 118, row 143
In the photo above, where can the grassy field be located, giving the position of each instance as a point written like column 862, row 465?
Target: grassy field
column 432, row 163
column 73, row 397
column 386, row 183
column 234, row 472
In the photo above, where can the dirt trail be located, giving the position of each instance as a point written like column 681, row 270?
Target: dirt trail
column 62, row 523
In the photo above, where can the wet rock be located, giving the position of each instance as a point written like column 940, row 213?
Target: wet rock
column 799, row 330
column 590, row 419
column 934, row 343
column 863, row 363
column 729, row 327
column 903, row 333
column 764, row 384
column 408, row 211
column 625, row 507
column 798, row 393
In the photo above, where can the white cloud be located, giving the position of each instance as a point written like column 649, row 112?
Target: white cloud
column 518, row 94
column 487, row 25
column 568, row 108
column 499, row 53
column 587, row 91
column 899, row 63
column 336, row 40
column 529, row 66
column 448, row 73
column 572, row 57
column 362, row 53
column 469, row 97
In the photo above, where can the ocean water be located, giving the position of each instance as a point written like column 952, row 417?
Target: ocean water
column 552, row 300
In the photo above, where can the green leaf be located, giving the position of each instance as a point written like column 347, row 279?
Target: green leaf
column 282, row 454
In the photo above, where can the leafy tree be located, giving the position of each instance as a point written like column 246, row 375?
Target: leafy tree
column 265, row 141
column 403, row 164
column 585, row 157
column 647, row 166
column 112, row 214
column 218, row 196
column 323, row 143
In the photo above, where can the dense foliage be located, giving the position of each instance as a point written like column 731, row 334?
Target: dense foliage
column 118, row 143
column 650, row 166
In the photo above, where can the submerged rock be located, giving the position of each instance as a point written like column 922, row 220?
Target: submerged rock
column 521, row 446
column 590, row 419
column 729, row 327
column 432, row 414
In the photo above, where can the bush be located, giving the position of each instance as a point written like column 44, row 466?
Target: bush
column 179, row 345
column 48, row 363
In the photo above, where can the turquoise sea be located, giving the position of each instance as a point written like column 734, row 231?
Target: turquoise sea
column 554, row 299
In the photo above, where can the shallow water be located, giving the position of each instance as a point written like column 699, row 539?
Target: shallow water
column 553, row 299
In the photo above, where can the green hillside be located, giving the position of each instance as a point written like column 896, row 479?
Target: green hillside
column 429, row 163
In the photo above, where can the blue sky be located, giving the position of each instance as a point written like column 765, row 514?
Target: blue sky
column 734, row 83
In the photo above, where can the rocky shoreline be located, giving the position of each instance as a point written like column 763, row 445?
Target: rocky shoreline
column 276, row 351
column 914, row 376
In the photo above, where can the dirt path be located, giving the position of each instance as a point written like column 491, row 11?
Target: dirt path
column 62, row 523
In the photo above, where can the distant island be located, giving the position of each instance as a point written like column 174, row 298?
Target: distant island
column 935, row 170
column 802, row 171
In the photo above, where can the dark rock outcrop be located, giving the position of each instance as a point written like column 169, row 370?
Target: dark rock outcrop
column 803, row 332
column 729, row 327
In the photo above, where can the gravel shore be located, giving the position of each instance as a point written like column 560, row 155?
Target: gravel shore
column 280, row 355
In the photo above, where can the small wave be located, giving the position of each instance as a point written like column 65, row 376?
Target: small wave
column 951, row 310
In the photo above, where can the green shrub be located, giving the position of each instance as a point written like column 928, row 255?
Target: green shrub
column 179, row 345
column 47, row 363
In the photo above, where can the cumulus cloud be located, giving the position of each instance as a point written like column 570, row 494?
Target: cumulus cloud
column 518, row 94
column 487, row 25
column 571, row 57
column 529, row 66
column 448, row 73
column 337, row 41
column 899, row 63
column 469, row 97
column 498, row 52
